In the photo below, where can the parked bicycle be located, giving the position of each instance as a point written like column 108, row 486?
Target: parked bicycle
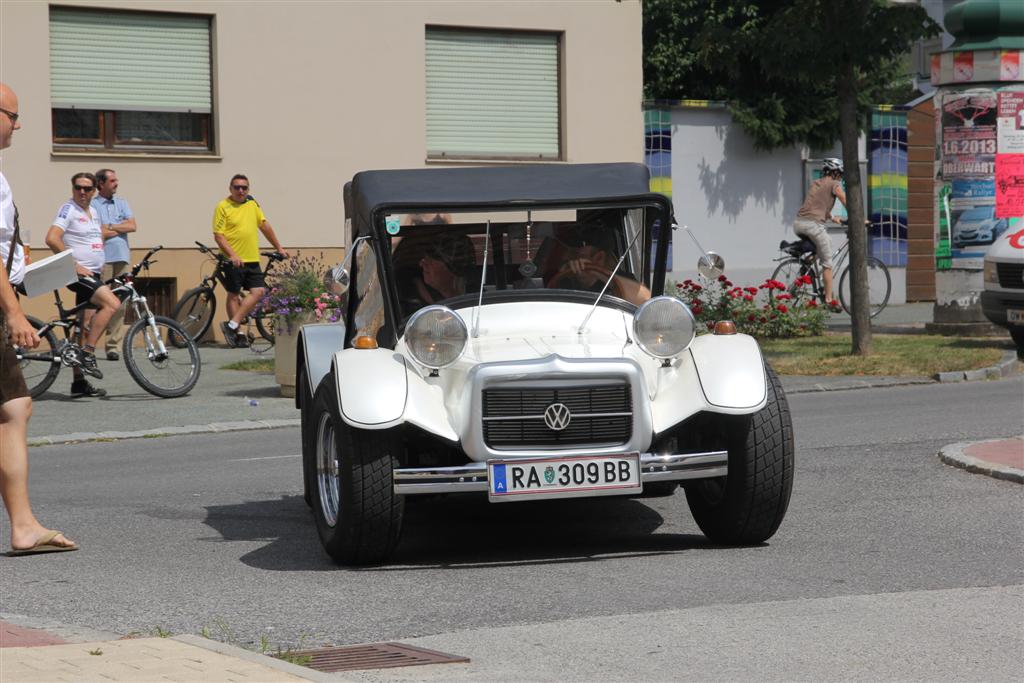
column 194, row 311
column 799, row 260
column 159, row 355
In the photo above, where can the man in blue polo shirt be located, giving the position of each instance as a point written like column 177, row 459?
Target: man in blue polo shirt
column 116, row 217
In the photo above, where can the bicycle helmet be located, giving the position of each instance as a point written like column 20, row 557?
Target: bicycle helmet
column 832, row 165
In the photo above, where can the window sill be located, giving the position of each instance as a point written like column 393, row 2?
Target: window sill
column 115, row 154
column 493, row 161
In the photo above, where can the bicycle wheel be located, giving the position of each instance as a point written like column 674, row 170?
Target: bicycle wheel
column 879, row 287
column 265, row 324
column 155, row 363
column 787, row 273
column 194, row 312
column 40, row 365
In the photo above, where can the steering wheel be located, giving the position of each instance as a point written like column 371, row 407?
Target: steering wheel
column 563, row 278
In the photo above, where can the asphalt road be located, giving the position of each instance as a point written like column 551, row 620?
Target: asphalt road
column 883, row 546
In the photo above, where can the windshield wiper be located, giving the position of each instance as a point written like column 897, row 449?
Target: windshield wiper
column 483, row 279
column 611, row 277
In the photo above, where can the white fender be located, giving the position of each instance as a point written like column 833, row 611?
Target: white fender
column 317, row 344
column 731, row 371
column 372, row 387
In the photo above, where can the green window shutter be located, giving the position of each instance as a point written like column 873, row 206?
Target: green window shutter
column 129, row 61
column 492, row 94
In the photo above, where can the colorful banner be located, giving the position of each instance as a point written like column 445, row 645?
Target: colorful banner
column 968, row 133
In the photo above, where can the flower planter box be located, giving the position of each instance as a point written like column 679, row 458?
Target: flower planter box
column 284, row 351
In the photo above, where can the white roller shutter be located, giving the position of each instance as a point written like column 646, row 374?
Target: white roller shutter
column 492, row 94
column 129, row 61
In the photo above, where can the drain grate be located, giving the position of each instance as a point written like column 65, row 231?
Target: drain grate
column 372, row 656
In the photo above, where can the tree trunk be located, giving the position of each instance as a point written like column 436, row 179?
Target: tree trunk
column 860, row 314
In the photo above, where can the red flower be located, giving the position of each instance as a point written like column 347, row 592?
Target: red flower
column 752, row 290
column 782, row 308
column 748, row 298
column 697, row 310
column 679, row 285
column 710, row 325
column 764, row 319
column 834, row 305
column 695, row 287
column 722, row 278
column 812, row 304
column 727, row 283
column 784, row 297
column 751, row 317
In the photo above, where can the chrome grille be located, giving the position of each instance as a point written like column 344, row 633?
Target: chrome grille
column 602, row 415
column 1011, row 275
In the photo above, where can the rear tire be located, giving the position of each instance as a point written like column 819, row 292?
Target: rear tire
column 265, row 325
column 746, row 506
column 194, row 312
column 358, row 515
column 41, row 365
column 166, row 374
column 1017, row 335
column 787, row 273
column 879, row 287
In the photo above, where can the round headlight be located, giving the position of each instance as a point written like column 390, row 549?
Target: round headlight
column 435, row 336
column 664, row 326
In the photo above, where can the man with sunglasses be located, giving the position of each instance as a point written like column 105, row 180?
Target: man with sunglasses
column 77, row 227
column 237, row 222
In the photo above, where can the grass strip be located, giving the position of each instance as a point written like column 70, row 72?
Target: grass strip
column 256, row 365
column 894, row 354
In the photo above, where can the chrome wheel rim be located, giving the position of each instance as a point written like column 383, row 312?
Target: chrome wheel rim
column 327, row 469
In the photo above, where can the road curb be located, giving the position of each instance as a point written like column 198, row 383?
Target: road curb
column 847, row 384
column 1006, row 367
column 955, row 456
column 237, row 426
column 256, row 658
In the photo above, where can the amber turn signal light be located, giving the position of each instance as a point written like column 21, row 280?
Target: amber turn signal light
column 725, row 327
column 364, row 342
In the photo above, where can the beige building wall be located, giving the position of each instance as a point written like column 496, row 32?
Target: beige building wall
column 305, row 95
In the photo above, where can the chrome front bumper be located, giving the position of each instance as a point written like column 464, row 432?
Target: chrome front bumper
column 473, row 477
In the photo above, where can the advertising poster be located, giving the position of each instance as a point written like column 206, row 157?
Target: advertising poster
column 1009, row 66
column 969, row 134
column 1009, row 185
column 968, row 146
column 963, row 67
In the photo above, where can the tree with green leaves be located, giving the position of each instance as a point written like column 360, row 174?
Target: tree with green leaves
column 791, row 72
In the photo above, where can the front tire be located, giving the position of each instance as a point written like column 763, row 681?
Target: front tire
column 746, row 506
column 155, row 363
column 879, row 287
column 41, row 365
column 358, row 515
column 194, row 312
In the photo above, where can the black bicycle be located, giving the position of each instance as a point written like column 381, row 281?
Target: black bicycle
column 159, row 356
column 799, row 260
column 194, row 311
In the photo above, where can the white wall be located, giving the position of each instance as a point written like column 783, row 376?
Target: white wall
column 738, row 202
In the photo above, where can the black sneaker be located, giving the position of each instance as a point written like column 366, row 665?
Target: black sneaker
column 89, row 366
column 81, row 387
column 113, row 355
column 232, row 337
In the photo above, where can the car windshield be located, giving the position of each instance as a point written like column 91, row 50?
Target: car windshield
column 979, row 213
column 440, row 256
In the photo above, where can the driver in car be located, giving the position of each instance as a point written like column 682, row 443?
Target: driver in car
column 444, row 268
column 589, row 266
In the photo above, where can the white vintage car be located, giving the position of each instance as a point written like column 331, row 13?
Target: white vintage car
column 507, row 332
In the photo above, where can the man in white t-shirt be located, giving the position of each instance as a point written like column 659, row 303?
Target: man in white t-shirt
column 77, row 227
column 28, row 536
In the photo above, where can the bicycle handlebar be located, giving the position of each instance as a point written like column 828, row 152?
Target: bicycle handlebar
column 272, row 255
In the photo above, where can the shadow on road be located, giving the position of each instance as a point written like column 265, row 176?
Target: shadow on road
column 461, row 532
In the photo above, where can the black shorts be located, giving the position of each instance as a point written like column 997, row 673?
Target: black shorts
column 85, row 287
column 249, row 276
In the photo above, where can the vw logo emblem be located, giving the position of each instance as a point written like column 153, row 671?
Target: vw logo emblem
column 557, row 416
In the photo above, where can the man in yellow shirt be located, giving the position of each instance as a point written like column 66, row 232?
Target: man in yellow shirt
column 235, row 223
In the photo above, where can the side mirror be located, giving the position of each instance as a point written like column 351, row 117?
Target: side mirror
column 711, row 265
column 338, row 279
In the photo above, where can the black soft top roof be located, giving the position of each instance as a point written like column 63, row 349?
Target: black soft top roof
column 489, row 186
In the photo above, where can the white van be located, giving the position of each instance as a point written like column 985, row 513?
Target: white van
column 1003, row 298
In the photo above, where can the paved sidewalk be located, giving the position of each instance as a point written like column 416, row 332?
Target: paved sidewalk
column 999, row 458
column 182, row 658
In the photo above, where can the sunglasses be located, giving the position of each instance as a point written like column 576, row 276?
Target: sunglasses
column 84, row 188
column 240, row 188
column 11, row 115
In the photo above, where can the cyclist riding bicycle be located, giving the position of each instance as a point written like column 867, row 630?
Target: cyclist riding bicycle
column 810, row 219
